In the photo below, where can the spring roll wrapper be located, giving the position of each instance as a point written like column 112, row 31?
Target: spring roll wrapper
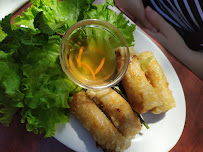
column 141, row 94
column 119, row 110
column 158, row 80
column 95, row 121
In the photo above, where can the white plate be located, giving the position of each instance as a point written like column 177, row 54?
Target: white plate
column 10, row 6
column 165, row 129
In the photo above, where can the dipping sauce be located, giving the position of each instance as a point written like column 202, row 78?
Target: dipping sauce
column 90, row 55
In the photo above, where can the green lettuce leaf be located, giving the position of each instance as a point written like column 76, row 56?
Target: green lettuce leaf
column 47, row 89
column 27, row 17
column 56, row 14
column 10, row 94
column 110, row 2
column 44, row 84
column 10, row 74
column 42, row 26
column 102, row 12
column 7, row 110
column 10, row 78
column 2, row 33
column 38, row 120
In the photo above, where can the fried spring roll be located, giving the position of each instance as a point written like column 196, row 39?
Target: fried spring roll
column 158, row 80
column 119, row 110
column 94, row 120
column 141, row 94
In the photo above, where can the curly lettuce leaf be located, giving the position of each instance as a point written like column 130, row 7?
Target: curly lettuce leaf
column 110, row 2
column 7, row 110
column 5, row 24
column 10, row 96
column 2, row 33
column 10, row 78
column 16, row 36
column 102, row 12
column 45, row 86
column 57, row 14
column 38, row 120
column 10, row 75
column 47, row 89
column 27, row 18
column 42, row 26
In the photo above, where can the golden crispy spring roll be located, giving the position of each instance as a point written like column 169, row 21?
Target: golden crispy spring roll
column 158, row 80
column 141, row 94
column 94, row 120
column 119, row 110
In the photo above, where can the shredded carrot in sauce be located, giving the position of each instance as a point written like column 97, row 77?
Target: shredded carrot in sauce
column 90, row 69
column 100, row 65
column 77, row 61
column 98, row 50
column 80, row 56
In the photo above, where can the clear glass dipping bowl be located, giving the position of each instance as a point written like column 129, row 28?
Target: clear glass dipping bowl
column 93, row 29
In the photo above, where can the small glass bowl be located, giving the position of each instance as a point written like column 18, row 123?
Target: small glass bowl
column 84, row 32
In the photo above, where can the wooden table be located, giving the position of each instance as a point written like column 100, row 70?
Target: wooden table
column 16, row 139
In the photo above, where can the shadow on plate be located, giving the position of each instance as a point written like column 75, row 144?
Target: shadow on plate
column 151, row 118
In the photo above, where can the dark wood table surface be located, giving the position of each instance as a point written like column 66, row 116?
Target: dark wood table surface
column 16, row 139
